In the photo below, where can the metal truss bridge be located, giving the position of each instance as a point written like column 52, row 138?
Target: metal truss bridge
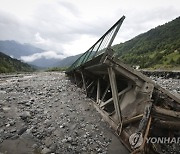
column 127, row 99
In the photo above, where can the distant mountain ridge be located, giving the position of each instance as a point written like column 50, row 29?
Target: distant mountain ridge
column 17, row 50
column 66, row 62
column 8, row 65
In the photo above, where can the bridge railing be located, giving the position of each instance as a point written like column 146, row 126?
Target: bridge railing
column 99, row 47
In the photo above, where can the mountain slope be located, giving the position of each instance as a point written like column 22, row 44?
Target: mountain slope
column 18, row 50
column 15, row 49
column 66, row 62
column 157, row 48
column 8, row 64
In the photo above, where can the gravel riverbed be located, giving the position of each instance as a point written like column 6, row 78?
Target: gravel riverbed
column 43, row 113
column 172, row 85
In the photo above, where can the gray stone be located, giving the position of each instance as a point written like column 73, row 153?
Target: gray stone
column 6, row 108
column 27, row 104
column 53, row 148
column 69, row 139
column 34, row 146
column 7, row 125
column 64, row 140
column 46, row 151
column 22, row 130
column 13, row 130
column 24, row 115
column 12, row 122
column 62, row 126
column 15, row 137
column 48, row 142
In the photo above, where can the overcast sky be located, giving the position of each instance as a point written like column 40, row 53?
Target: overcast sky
column 72, row 26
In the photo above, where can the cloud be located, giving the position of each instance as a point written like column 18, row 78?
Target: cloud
column 86, row 41
column 71, row 27
column 39, row 39
column 144, row 19
column 70, row 7
column 46, row 55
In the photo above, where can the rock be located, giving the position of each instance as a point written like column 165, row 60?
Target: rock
column 48, row 142
column 53, row 148
column 22, row 130
column 32, row 100
column 62, row 126
column 34, row 146
column 29, row 131
column 69, row 139
column 13, row 130
column 1, row 140
column 22, row 102
column 45, row 111
column 6, row 108
column 15, row 137
column 99, row 150
column 12, row 122
column 27, row 104
column 84, row 148
column 24, row 115
column 47, row 122
column 8, row 135
column 1, row 130
column 46, row 151
column 64, row 140
column 8, row 125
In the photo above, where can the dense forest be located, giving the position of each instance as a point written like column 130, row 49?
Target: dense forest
column 8, row 64
column 158, row 48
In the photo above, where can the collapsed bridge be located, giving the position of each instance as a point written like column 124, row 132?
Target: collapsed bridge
column 135, row 106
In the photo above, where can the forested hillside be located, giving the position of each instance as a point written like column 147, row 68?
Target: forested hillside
column 8, row 64
column 157, row 48
column 66, row 62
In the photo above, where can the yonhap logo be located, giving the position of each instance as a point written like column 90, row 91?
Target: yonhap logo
column 164, row 140
column 136, row 140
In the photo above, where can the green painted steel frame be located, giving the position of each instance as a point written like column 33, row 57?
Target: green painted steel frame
column 100, row 47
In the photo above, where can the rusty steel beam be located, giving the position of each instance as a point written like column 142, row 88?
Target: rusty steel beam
column 112, row 79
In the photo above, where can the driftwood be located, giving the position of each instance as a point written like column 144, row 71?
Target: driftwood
column 158, row 111
column 132, row 120
column 172, row 125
